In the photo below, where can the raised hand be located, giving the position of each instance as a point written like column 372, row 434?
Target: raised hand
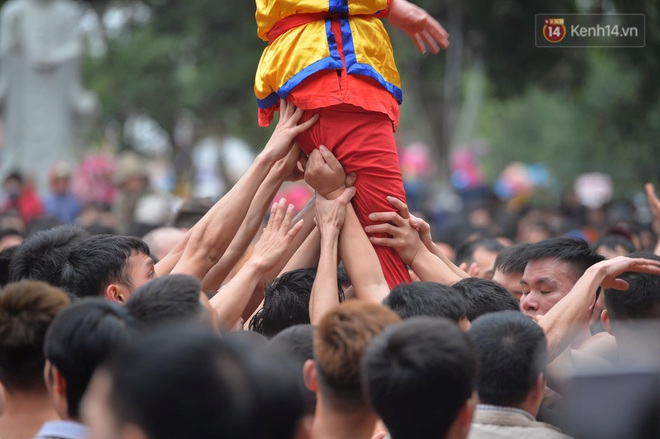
column 287, row 130
column 424, row 30
column 289, row 168
column 610, row 269
column 276, row 236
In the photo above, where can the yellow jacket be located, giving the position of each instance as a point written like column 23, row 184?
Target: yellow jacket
column 311, row 47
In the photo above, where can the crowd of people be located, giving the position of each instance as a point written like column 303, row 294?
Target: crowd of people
column 221, row 325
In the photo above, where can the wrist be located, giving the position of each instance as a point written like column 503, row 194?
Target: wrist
column 335, row 193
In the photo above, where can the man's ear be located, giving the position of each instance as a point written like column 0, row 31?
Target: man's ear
column 309, row 374
column 463, row 420
column 58, row 382
column 605, row 320
column 115, row 293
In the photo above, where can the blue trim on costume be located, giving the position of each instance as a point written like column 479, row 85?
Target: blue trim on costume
column 332, row 42
column 338, row 7
column 269, row 101
column 322, row 64
column 354, row 67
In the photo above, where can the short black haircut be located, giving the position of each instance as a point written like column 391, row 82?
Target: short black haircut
column 512, row 259
column 94, row 263
column 512, row 353
column 286, row 302
column 5, row 261
column 27, row 309
column 80, row 339
column 613, row 241
column 484, row 296
column 641, row 301
column 418, row 375
column 296, row 341
column 465, row 251
column 575, row 252
column 166, row 299
column 42, row 256
column 180, row 381
column 426, row 299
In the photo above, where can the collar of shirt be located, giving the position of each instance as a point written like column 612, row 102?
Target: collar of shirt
column 62, row 430
column 497, row 408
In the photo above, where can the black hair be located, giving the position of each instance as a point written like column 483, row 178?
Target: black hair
column 280, row 398
column 512, row 259
column 426, row 299
column 166, row 299
column 641, row 300
column 286, row 302
column 42, row 256
column 297, row 343
column 512, row 353
column 80, row 339
column 465, row 251
column 98, row 261
column 484, row 296
column 180, row 381
column 575, row 252
column 418, row 375
column 5, row 261
column 613, row 241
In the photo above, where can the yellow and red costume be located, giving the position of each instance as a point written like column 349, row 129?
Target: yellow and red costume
column 334, row 58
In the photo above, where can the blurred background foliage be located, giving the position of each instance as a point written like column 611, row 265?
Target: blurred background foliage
column 575, row 110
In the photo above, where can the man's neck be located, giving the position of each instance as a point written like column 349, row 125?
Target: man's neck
column 25, row 413
column 358, row 423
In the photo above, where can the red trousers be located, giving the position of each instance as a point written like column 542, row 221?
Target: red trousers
column 363, row 142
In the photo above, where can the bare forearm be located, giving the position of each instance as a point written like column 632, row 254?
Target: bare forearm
column 231, row 300
column 212, row 236
column 563, row 320
column 429, row 268
column 325, row 293
column 361, row 261
column 246, row 232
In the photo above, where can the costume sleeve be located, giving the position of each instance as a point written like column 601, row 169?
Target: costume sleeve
column 364, row 7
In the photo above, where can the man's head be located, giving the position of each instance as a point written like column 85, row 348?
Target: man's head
column 484, row 296
column 167, row 299
column 340, row 340
column 509, row 268
column 177, row 382
column 513, row 357
column 419, row 376
column 79, row 339
column 553, row 268
column 427, row 299
column 42, row 256
column 481, row 251
column 27, row 309
column 286, row 302
column 109, row 266
column 642, row 299
column 10, row 238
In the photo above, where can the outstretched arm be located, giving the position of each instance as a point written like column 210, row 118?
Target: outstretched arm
column 211, row 236
column 424, row 30
column 325, row 174
column 278, row 234
column 330, row 216
column 564, row 319
column 282, row 170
